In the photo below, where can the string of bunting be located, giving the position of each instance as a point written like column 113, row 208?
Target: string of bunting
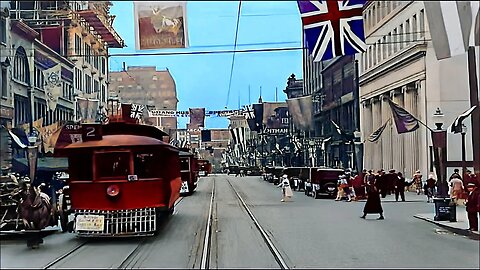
column 173, row 113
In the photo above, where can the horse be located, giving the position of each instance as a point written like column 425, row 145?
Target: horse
column 35, row 208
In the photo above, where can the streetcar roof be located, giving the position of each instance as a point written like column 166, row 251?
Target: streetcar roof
column 120, row 140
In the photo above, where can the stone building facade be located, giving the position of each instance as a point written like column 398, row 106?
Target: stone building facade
column 156, row 89
column 400, row 64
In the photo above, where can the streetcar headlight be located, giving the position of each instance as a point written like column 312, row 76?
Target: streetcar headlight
column 113, row 190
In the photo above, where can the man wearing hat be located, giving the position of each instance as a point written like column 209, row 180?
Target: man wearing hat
column 473, row 206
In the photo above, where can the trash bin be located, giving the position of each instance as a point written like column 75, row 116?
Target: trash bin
column 445, row 210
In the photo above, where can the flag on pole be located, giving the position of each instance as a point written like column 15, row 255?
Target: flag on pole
column 456, row 126
column 332, row 28
column 404, row 121
column 301, row 111
column 450, row 25
column 137, row 111
column 377, row 133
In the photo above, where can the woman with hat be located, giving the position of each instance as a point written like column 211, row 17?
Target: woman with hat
column 286, row 190
column 472, row 206
column 417, row 179
column 373, row 204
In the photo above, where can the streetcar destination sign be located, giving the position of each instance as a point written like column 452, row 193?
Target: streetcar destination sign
column 89, row 223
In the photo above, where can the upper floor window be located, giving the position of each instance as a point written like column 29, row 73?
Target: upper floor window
column 3, row 29
column 20, row 67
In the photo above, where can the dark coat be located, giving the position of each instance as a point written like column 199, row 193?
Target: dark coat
column 373, row 204
column 400, row 182
column 390, row 180
column 473, row 201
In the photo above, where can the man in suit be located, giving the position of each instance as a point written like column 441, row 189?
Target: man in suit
column 400, row 187
column 473, row 206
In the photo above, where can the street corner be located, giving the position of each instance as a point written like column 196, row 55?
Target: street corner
column 459, row 227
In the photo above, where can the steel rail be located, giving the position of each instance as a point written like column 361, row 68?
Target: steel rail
column 52, row 263
column 276, row 254
column 204, row 264
column 122, row 265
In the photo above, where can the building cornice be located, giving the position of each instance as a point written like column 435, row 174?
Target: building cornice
column 24, row 30
column 402, row 59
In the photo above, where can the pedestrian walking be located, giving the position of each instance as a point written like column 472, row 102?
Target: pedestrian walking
column 456, row 188
column 286, row 190
column 417, row 179
column 358, row 186
column 400, row 187
column 430, row 187
column 373, row 204
column 473, row 206
column 455, row 174
column 390, row 180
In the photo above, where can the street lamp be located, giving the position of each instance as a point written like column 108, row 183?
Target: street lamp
column 439, row 141
column 32, row 153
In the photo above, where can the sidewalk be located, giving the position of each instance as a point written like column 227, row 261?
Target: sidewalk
column 459, row 227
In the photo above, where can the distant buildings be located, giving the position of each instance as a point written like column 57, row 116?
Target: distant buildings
column 153, row 88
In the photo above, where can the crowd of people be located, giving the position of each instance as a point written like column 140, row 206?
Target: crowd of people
column 373, row 186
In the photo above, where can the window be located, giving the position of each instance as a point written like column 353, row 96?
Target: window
column 4, row 82
column 104, row 65
column 3, row 29
column 146, row 165
column 112, row 164
column 407, row 32
column 81, row 167
column 88, row 50
column 96, row 86
column 421, row 19
column 78, row 79
column 39, row 79
column 88, row 84
column 414, row 28
column 20, row 68
column 394, row 42
column 401, row 34
column 78, row 45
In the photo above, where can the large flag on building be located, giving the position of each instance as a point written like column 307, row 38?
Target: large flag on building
column 275, row 115
column 377, row 133
column 160, row 24
column 452, row 26
column 404, row 121
column 197, row 117
column 457, row 123
column 53, row 85
column 332, row 28
column 301, row 111
column 206, row 135
column 258, row 112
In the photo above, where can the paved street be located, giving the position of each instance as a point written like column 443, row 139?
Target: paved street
column 307, row 233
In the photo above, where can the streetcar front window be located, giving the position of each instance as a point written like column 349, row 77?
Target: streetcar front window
column 113, row 164
column 146, row 165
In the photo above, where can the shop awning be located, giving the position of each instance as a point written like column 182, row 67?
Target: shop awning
column 108, row 34
column 45, row 164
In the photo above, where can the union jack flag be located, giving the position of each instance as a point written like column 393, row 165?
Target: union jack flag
column 248, row 112
column 333, row 28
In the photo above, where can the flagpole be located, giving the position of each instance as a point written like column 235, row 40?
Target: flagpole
column 472, row 76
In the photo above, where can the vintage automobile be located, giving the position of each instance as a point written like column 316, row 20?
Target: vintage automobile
column 323, row 181
column 273, row 174
column 123, row 178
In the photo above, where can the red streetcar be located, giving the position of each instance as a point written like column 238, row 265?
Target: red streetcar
column 189, row 172
column 204, row 167
column 122, row 178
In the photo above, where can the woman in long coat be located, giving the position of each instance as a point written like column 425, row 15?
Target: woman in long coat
column 373, row 204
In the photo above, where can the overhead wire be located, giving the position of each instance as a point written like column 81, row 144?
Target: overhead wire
column 234, row 50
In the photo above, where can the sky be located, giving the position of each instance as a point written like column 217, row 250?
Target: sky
column 202, row 80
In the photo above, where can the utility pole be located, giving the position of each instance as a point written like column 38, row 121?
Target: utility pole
column 276, row 94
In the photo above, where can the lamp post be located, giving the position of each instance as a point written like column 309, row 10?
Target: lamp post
column 32, row 153
column 439, row 140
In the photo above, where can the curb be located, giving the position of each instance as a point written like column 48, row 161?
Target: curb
column 464, row 232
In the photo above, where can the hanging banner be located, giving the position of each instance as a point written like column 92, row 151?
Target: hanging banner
column 173, row 113
column 53, row 86
column 160, row 25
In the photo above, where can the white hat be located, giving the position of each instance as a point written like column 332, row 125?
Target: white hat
column 285, row 176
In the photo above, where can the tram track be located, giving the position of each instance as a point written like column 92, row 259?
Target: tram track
column 123, row 264
column 208, row 234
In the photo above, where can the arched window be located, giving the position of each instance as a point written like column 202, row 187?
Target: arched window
column 20, row 68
